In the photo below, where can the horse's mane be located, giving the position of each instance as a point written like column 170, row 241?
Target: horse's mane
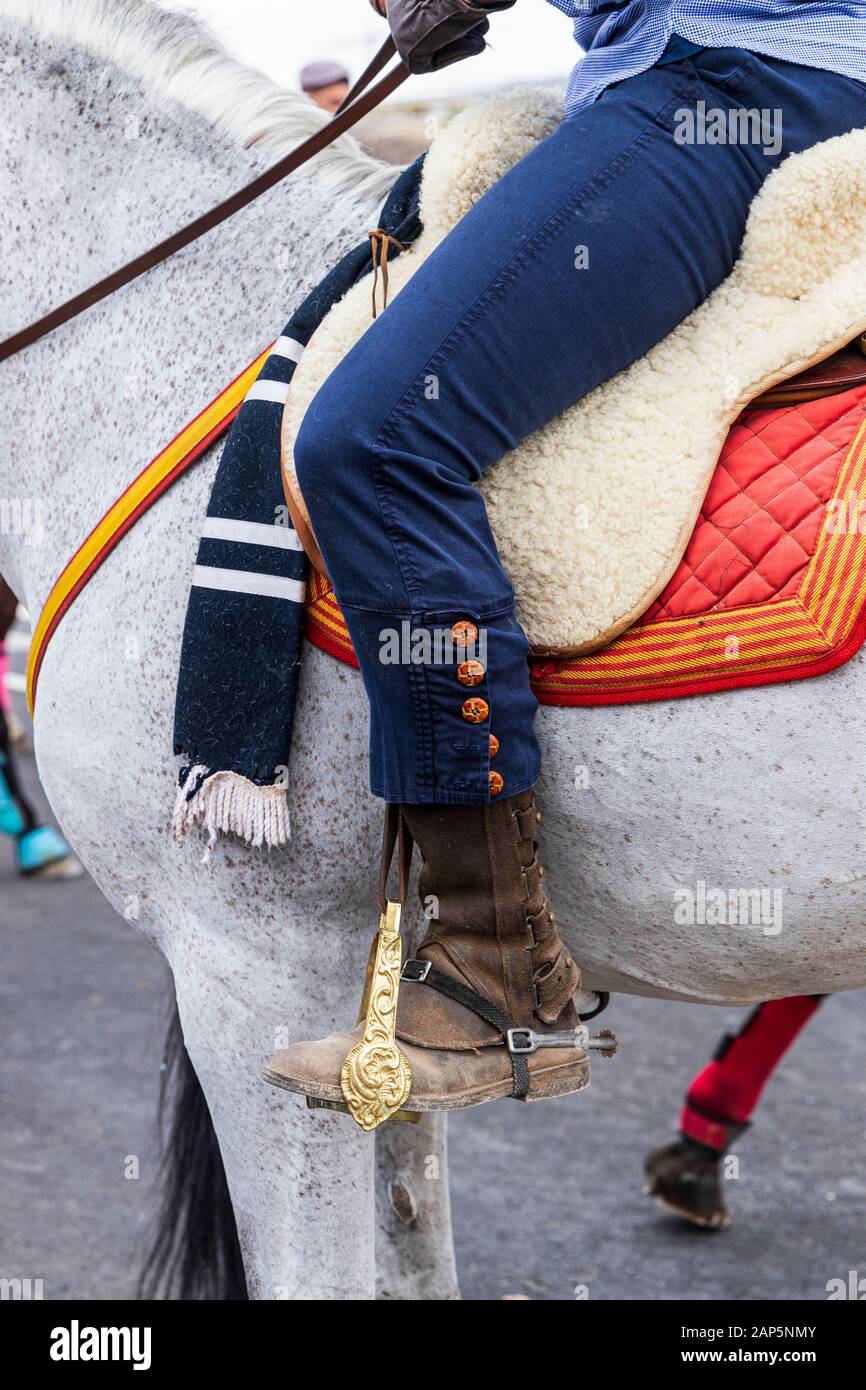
column 176, row 56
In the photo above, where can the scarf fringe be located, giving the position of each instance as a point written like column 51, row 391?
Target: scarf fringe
column 227, row 802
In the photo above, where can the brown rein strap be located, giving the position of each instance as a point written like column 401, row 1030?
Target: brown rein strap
column 375, row 65
column 353, row 108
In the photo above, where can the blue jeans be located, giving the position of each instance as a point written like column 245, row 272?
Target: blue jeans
column 497, row 332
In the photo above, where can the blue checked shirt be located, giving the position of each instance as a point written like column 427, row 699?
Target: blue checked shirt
column 624, row 37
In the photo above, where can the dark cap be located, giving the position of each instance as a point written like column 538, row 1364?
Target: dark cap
column 317, row 75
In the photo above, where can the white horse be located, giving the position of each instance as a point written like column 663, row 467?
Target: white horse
column 119, row 122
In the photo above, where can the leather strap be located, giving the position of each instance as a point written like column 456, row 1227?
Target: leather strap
column 490, row 1012
column 844, row 370
column 395, row 830
column 347, row 115
column 379, row 242
column 708, row 1131
column 375, row 65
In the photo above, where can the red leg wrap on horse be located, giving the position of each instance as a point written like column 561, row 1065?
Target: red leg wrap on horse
column 724, row 1095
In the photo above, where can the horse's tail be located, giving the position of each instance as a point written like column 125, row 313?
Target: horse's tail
column 195, row 1253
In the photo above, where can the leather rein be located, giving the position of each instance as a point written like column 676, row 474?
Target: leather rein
column 351, row 110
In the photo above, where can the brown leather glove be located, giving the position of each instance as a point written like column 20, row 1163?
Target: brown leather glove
column 430, row 34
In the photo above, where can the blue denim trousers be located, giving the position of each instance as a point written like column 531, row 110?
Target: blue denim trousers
column 579, row 260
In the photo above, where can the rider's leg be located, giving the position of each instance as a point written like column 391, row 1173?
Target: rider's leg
column 579, row 259
column 719, row 1105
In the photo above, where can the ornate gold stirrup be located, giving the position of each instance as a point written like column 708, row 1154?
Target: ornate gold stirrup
column 376, row 1076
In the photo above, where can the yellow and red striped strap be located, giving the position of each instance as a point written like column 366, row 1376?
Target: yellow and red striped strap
column 160, row 473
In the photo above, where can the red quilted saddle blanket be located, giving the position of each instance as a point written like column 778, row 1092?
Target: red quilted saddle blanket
column 772, row 585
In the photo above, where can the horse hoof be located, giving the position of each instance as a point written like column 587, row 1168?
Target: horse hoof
column 685, row 1179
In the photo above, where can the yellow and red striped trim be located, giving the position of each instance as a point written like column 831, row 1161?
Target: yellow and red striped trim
column 156, row 478
column 822, row 626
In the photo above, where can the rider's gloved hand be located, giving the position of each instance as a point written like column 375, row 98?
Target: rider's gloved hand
column 430, row 34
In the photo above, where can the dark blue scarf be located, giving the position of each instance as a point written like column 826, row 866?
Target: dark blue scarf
column 241, row 653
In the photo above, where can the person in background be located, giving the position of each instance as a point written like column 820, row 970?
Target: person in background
column 19, row 740
column 8, row 607
column 40, row 850
column 325, row 83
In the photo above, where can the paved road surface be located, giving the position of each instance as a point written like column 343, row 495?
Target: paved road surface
column 546, row 1197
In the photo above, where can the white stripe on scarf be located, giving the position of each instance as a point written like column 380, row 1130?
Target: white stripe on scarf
column 223, row 528
column 244, row 582
column 276, row 391
column 288, row 347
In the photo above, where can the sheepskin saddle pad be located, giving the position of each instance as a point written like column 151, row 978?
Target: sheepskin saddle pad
column 636, row 456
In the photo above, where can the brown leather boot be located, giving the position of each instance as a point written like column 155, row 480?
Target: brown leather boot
column 485, row 1009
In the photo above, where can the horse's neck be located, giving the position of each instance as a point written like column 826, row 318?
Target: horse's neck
column 94, row 170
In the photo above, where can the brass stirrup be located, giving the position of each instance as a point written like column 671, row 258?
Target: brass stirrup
column 376, row 1076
